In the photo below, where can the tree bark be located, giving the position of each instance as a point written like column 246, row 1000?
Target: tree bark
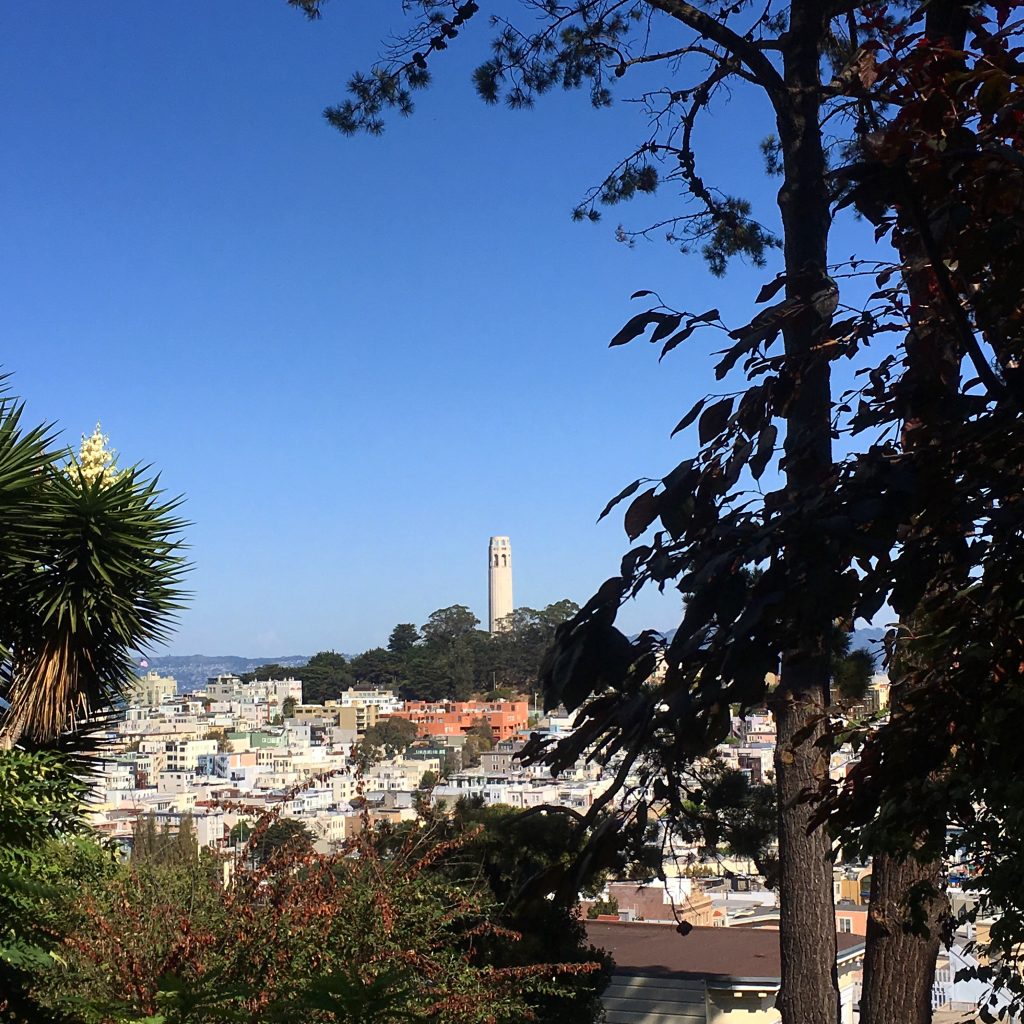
column 809, row 992
column 899, row 962
column 807, row 926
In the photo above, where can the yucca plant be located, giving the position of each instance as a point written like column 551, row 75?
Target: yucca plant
column 90, row 572
column 91, row 567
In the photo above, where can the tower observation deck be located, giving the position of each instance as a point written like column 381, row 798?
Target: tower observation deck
column 499, row 578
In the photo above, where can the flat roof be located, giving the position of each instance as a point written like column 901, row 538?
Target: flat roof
column 736, row 954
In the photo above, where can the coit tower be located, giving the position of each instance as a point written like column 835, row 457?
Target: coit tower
column 499, row 578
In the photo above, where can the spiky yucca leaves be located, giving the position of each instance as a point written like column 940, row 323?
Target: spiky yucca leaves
column 105, row 581
column 25, row 455
column 90, row 571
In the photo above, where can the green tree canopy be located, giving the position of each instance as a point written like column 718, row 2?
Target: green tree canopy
column 278, row 837
column 518, row 855
column 446, row 626
column 328, row 660
column 519, row 649
column 454, row 659
column 41, row 800
column 404, row 637
column 377, row 668
column 240, row 833
column 271, row 670
column 388, row 738
column 325, row 676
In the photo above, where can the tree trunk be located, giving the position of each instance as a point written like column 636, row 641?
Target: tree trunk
column 807, row 925
column 809, row 993
column 899, row 962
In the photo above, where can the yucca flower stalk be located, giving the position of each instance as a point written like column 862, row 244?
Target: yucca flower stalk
column 91, row 567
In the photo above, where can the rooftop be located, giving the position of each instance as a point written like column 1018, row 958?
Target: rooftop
column 726, row 953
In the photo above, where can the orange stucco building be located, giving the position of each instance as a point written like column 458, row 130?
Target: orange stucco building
column 457, row 717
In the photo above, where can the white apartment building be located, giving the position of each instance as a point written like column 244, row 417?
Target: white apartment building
column 384, row 701
column 252, row 714
column 156, row 751
column 519, row 792
column 209, row 824
column 328, row 830
column 183, row 755
column 230, row 688
column 344, row 789
column 176, row 782
column 309, row 802
column 114, row 776
column 387, row 778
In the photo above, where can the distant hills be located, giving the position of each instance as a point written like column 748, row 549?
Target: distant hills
column 192, row 670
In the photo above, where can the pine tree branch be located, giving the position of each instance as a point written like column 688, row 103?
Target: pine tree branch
column 650, row 58
column 743, row 50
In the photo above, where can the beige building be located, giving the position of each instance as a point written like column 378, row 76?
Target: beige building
column 183, row 755
column 878, row 690
column 708, row 976
column 355, row 716
column 151, row 689
column 229, row 687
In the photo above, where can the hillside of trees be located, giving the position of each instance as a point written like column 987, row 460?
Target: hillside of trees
column 449, row 657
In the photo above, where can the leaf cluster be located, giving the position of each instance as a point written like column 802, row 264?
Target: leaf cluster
column 373, row 934
column 925, row 517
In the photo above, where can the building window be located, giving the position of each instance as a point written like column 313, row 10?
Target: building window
column 846, row 924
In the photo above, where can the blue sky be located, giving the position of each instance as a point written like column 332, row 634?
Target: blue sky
column 357, row 358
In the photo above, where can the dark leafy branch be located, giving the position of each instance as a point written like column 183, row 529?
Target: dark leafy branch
column 884, row 518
